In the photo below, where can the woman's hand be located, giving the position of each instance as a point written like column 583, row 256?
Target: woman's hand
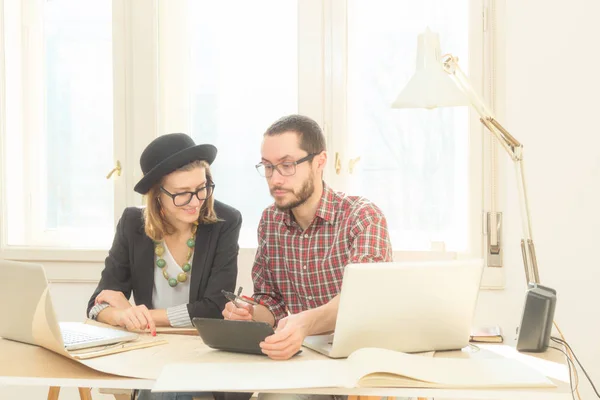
column 135, row 318
column 114, row 298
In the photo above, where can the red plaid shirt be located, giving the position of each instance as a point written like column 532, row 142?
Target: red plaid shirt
column 296, row 270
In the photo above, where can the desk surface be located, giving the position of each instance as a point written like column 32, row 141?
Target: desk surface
column 27, row 365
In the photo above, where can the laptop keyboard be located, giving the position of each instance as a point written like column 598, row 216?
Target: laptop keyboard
column 74, row 337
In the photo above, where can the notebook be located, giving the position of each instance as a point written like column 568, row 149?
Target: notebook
column 487, row 334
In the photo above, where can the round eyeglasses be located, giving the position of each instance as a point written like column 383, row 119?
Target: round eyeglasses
column 184, row 198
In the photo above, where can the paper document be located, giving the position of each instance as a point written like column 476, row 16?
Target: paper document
column 367, row 367
column 140, row 343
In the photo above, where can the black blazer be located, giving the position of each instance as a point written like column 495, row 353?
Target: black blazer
column 130, row 262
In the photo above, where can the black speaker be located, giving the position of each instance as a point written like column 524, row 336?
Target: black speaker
column 536, row 322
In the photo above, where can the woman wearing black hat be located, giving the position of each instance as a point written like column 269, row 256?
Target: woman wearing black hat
column 176, row 254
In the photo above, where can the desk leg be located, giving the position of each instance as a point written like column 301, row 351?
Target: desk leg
column 53, row 392
column 85, row 393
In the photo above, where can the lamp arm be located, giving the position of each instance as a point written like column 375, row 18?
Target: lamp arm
column 514, row 149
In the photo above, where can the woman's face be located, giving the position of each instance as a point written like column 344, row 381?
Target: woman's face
column 177, row 184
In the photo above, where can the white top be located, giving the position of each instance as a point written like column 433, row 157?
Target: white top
column 173, row 299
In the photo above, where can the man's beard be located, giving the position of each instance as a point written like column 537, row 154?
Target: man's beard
column 302, row 195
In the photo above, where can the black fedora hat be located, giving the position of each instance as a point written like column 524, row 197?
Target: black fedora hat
column 168, row 153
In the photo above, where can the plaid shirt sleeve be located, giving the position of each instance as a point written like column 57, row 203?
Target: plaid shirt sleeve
column 371, row 241
column 264, row 286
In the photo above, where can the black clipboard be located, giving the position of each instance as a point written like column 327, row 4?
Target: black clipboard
column 235, row 336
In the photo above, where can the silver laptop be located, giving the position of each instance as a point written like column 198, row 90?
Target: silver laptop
column 21, row 287
column 404, row 306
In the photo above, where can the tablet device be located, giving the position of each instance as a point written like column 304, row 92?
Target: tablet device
column 235, row 336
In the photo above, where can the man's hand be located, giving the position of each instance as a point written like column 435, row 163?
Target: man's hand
column 135, row 318
column 288, row 337
column 243, row 312
column 114, row 298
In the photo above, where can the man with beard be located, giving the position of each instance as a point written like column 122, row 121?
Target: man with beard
column 305, row 239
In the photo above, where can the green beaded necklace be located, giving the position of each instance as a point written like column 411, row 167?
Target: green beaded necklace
column 159, row 250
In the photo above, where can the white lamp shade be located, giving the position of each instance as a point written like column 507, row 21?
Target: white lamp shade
column 430, row 86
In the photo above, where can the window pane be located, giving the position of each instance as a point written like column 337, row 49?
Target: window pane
column 241, row 83
column 79, row 118
column 413, row 162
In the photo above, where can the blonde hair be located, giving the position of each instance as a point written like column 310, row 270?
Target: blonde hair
column 156, row 225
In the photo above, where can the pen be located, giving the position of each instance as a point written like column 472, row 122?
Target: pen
column 235, row 298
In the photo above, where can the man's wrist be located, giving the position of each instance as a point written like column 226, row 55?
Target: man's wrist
column 262, row 313
column 310, row 318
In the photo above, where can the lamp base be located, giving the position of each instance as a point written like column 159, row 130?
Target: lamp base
column 536, row 322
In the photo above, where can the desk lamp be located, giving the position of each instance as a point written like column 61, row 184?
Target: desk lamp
column 440, row 82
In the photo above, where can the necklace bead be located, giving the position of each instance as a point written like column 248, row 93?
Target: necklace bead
column 159, row 250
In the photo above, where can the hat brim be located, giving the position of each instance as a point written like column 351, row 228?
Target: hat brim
column 205, row 152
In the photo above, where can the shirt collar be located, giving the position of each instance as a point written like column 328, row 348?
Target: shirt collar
column 327, row 206
column 325, row 210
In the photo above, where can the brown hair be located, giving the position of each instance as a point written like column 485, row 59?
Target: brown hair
column 156, row 225
column 310, row 134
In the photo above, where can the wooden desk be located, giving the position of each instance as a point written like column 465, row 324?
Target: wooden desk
column 26, row 365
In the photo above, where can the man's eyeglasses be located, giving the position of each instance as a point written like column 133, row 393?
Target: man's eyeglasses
column 184, row 198
column 286, row 168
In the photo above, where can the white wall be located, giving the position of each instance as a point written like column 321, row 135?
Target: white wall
column 552, row 104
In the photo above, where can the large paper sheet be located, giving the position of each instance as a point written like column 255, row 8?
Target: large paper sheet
column 365, row 367
column 44, row 333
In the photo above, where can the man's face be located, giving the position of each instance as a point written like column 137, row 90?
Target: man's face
column 293, row 190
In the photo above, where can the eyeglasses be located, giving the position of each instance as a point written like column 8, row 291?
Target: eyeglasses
column 184, row 198
column 286, row 168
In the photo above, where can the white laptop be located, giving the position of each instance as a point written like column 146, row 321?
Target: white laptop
column 21, row 287
column 403, row 306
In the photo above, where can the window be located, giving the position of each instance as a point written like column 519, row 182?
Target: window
column 59, row 132
column 413, row 163
column 244, row 76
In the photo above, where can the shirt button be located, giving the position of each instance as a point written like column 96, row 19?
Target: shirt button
column 304, row 267
column 306, row 235
column 309, row 297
